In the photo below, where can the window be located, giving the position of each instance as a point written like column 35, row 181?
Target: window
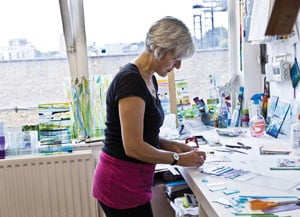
column 116, row 31
column 33, row 64
column 33, row 61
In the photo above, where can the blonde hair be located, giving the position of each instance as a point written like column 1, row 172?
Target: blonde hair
column 170, row 34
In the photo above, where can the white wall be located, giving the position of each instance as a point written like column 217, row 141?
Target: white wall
column 253, row 79
column 284, row 89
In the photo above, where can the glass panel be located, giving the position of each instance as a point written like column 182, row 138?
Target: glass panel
column 33, row 64
column 116, row 31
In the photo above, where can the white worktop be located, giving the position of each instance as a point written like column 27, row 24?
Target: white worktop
column 261, row 180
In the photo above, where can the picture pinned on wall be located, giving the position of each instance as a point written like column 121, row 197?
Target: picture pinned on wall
column 295, row 73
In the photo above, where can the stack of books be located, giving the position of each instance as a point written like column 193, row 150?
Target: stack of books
column 176, row 189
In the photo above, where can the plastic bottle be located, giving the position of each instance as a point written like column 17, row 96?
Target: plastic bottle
column 2, row 142
column 213, row 90
column 235, row 119
column 257, row 121
column 202, row 110
column 244, row 118
column 295, row 136
column 200, row 105
column 222, row 113
column 213, row 101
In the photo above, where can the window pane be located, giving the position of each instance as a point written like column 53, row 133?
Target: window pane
column 116, row 31
column 32, row 68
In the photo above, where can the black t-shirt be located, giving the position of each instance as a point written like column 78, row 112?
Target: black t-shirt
column 129, row 82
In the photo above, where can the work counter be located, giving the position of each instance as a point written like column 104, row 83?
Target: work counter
column 259, row 176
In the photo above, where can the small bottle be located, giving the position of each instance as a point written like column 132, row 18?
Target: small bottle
column 213, row 102
column 235, row 119
column 2, row 142
column 295, row 136
column 244, row 117
column 202, row 110
column 257, row 121
column 200, row 105
column 180, row 123
column 222, row 113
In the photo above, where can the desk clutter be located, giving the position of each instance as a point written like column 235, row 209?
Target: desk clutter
column 228, row 172
column 178, row 193
column 181, row 198
column 230, row 167
column 250, row 205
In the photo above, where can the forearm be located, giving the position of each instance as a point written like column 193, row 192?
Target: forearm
column 147, row 153
column 170, row 145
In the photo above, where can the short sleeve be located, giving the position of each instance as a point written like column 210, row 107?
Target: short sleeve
column 130, row 84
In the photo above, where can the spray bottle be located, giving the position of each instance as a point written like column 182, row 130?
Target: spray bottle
column 257, row 121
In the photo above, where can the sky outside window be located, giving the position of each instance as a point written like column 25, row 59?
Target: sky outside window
column 114, row 21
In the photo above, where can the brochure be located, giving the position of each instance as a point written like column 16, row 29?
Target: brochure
column 277, row 119
column 286, row 163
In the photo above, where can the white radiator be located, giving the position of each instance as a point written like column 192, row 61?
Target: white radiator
column 48, row 186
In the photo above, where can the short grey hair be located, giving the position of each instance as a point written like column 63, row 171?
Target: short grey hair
column 170, row 34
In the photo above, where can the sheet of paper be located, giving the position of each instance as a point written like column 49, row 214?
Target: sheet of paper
column 274, row 183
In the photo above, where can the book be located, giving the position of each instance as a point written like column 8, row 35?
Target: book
column 277, row 119
column 172, row 195
column 176, row 186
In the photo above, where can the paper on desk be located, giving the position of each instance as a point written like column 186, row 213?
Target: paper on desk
column 274, row 183
column 217, row 158
column 161, row 167
column 166, row 167
column 288, row 163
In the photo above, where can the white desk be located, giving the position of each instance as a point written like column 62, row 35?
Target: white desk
column 269, row 183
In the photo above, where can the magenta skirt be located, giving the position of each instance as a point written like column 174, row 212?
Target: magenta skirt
column 121, row 184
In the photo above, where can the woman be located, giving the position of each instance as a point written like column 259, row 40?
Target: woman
column 132, row 146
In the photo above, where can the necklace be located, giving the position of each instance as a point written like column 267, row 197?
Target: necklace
column 148, row 81
column 151, row 88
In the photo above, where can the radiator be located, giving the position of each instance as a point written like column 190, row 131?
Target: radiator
column 48, row 186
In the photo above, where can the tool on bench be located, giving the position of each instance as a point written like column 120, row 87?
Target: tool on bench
column 261, row 205
column 239, row 145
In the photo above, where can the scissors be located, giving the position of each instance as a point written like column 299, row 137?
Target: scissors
column 239, row 145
